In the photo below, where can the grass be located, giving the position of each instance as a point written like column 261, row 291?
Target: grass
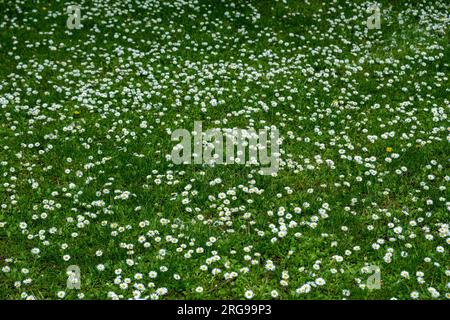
column 86, row 115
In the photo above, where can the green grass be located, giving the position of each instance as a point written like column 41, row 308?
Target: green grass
column 83, row 94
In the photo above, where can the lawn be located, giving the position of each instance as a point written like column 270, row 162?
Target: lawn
column 358, row 208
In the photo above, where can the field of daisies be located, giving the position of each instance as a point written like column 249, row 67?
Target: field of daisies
column 359, row 208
